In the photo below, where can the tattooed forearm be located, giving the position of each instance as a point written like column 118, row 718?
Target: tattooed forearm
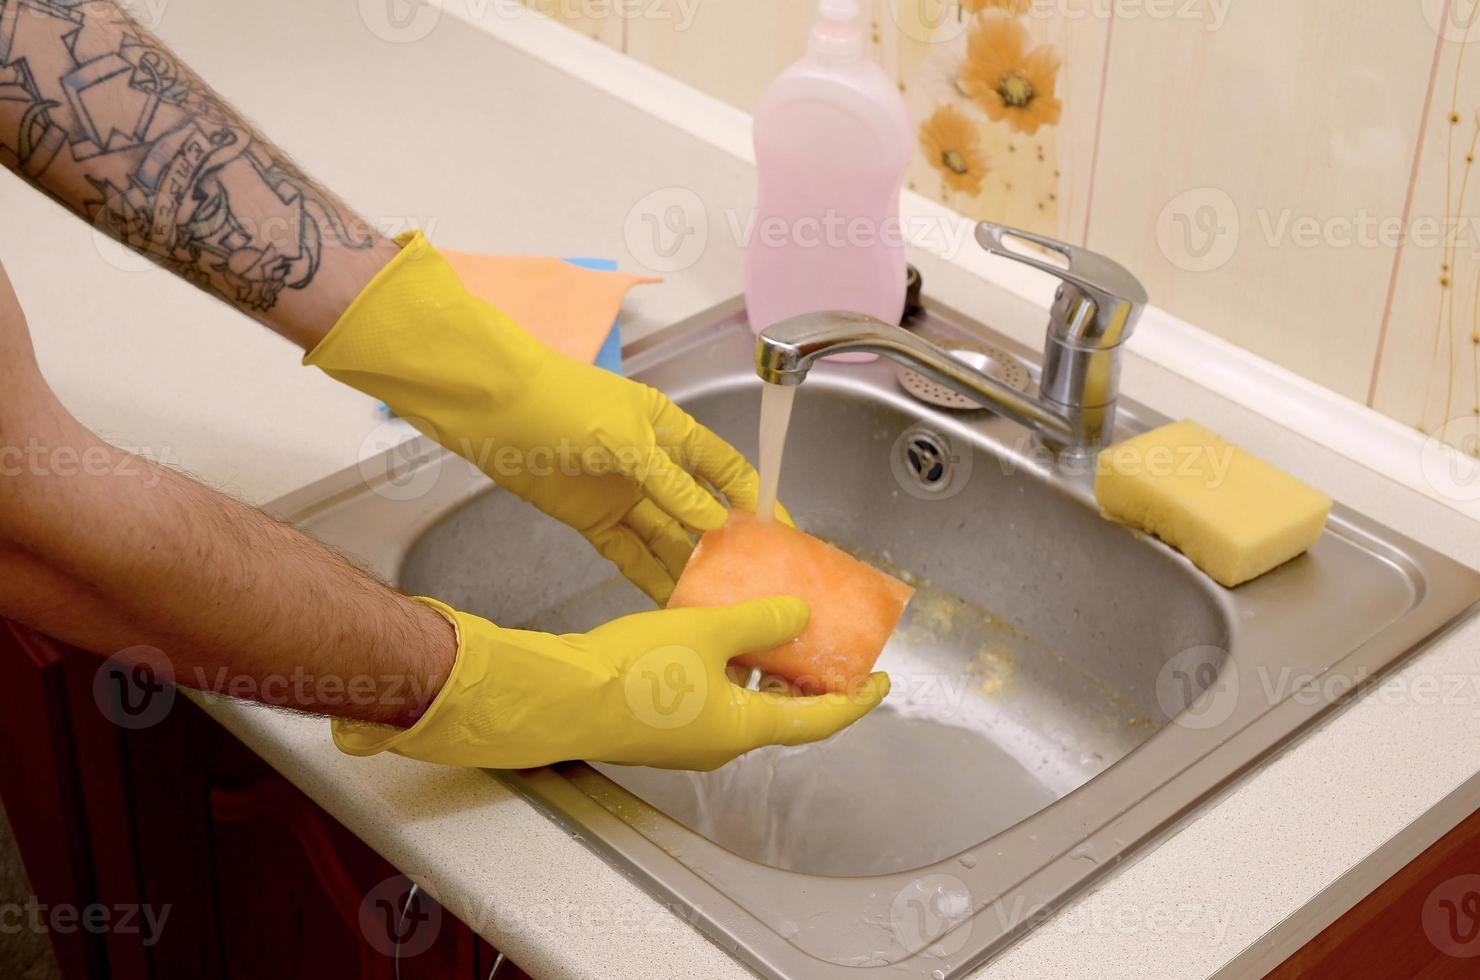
column 100, row 115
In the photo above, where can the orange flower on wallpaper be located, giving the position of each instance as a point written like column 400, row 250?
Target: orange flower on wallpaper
column 1014, row 7
column 1010, row 82
column 950, row 142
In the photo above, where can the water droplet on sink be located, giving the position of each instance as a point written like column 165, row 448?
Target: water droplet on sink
column 1091, row 759
column 1084, row 852
column 968, row 860
column 937, row 975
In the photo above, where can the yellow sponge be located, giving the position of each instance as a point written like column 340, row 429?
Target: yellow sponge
column 1232, row 513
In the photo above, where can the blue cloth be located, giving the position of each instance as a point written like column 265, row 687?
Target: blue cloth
column 610, row 355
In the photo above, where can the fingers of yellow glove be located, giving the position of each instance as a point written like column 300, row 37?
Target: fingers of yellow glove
column 662, row 534
column 724, row 632
column 706, row 455
column 626, row 550
column 774, row 719
column 713, row 459
column 673, row 489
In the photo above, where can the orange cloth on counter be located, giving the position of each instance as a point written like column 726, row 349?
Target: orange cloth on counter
column 564, row 306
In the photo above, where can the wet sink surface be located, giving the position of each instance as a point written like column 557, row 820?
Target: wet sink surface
column 1064, row 689
column 990, row 719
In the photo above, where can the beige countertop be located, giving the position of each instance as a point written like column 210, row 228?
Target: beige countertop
column 490, row 149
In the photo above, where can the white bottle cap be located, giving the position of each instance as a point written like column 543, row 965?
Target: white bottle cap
column 838, row 9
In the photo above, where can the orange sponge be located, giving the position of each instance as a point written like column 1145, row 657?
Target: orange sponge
column 854, row 606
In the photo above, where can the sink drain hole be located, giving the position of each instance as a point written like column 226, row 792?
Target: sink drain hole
column 930, row 465
column 927, row 457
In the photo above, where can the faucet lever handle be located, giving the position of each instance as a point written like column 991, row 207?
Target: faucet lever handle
column 1118, row 295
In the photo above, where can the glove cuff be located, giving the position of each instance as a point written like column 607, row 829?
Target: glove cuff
column 419, row 341
column 505, row 704
column 363, row 738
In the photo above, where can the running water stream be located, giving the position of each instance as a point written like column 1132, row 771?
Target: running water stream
column 776, row 401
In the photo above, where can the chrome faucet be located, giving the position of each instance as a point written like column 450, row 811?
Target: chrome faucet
column 1093, row 314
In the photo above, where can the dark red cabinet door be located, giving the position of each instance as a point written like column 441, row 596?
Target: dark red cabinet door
column 229, row 870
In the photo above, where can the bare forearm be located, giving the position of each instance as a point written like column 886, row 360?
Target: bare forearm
column 99, row 114
column 239, row 603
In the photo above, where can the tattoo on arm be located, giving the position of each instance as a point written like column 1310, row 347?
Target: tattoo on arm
column 99, row 114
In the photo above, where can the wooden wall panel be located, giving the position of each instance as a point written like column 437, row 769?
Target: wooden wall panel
column 1428, row 367
column 728, row 48
column 1256, row 162
column 1237, row 159
column 593, row 19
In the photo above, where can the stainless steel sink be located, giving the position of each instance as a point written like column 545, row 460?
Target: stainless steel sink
column 1064, row 688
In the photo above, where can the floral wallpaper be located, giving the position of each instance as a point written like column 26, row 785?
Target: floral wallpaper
column 1040, row 115
column 986, row 107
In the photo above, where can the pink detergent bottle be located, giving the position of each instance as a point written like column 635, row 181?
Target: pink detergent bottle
column 832, row 141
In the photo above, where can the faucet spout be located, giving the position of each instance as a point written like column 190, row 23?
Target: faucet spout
column 786, row 351
column 1094, row 311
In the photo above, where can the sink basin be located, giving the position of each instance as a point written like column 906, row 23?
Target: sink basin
column 1065, row 689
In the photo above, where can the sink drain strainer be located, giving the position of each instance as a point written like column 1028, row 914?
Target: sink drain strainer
column 929, row 465
column 991, row 361
column 927, row 458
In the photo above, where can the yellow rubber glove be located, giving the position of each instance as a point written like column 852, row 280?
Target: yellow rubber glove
column 648, row 689
column 613, row 459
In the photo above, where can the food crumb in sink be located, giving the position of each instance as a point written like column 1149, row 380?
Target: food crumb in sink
column 992, row 668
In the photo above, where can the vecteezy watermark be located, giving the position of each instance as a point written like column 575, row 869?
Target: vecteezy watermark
column 945, row 234
column 398, row 467
column 394, row 464
column 304, row 690
column 941, row 694
column 399, row 919
column 667, row 687
column 1450, row 459
column 135, row 687
column 568, row 918
column 1453, row 20
column 943, row 20
column 1451, row 916
column 124, row 919
column 1317, row 688
column 668, row 229
column 935, row 21
column 1210, row 465
column 1362, row 229
column 1202, row 229
column 1208, row 922
column 1198, row 687
column 35, row 458
column 932, row 911
column 929, row 464
column 1198, row 230
column 939, row 21
column 678, row 14
column 408, row 21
